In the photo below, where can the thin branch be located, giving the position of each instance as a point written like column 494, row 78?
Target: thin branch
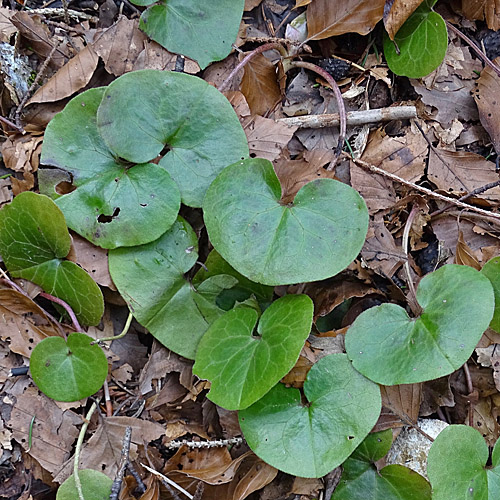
column 353, row 118
column 66, row 306
column 168, row 481
column 205, row 444
column 11, row 125
column 377, row 170
column 340, row 103
column 417, row 310
column 117, row 483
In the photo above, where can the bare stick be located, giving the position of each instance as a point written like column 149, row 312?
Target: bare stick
column 406, row 234
column 117, row 483
column 340, row 102
column 57, row 11
column 140, row 483
column 107, row 399
column 470, row 389
column 353, row 118
column 66, row 306
column 169, row 481
column 263, row 48
column 65, row 9
column 11, row 125
column 377, row 170
column 205, row 444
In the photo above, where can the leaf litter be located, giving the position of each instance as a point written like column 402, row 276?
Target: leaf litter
column 452, row 152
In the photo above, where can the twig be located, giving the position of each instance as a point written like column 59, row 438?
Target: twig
column 470, row 390
column 198, row 494
column 168, row 481
column 117, row 483
column 140, row 483
column 11, row 125
column 65, row 9
column 107, row 399
column 340, row 103
column 417, row 310
column 205, row 444
column 377, row 170
column 353, row 118
column 475, row 48
column 263, row 48
column 34, row 84
column 79, row 443
column 57, row 11
column 66, row 306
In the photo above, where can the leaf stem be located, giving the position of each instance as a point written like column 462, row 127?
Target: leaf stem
column 122, row 334
column 66, row 306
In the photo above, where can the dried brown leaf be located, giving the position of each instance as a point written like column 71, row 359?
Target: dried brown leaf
column 401, row 404
column 72, row 77
column 436, row 393
column 260, row 85
column 484, row 420
column 21, row 153
column 481, row 10
column 259, row 475
column 302, row 3
column 7, row 29
column 464, row 255
column 400, row 11
column 307, row 486
column 154, row 56
column 298, row 374
column 326, row 18
column 251, row 4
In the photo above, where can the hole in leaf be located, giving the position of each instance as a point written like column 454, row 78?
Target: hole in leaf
column 350, row 438
column 108, row 218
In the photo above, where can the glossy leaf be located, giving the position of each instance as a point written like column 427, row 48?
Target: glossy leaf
column 313, row 238
column 34, row 240
column 114, row 203
column 422, row 42
column 181, row 112
column 310, row 440
column 492, row 271
column 68, row 371
column 390, row 348
column 361, row 479
column 151, row 280
column 204, row 31
column 457, row 463
column 243, row 364
column 95, row 486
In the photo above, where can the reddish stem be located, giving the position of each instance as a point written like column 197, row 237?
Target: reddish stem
column 66, row 306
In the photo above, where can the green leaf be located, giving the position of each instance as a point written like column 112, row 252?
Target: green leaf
column 457, row 463
column 95, row 486
column 34, row 240
column 204, row 31
column 151, row 280
column 390, row 348
column 492, row 271
column 361, row 479
column 243, row 365
column 313, row 238
column 422, row 42
column 114, row 204
column 178, row 111
column 68, row 371
column 310, row 440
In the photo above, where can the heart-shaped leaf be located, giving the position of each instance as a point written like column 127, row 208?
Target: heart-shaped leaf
column 311, row 440
column 68, row 371
column 457, row 464
column 422, row 42
column 389, row 347
column 492, row 271
column 34, row 240
column 361, row 479
column 243, row 365
column 151, row 280
column 313, row 238
column 181, row 112
column 114, row 204
column 95, row 486
column 204, row 31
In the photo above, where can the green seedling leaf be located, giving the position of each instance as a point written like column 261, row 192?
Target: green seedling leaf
column 361, row 479
column 245, row 288
column 457, row 463
column 313, row 238
column 242, row 364
column 422, row 42
column 310, row 440
column 390, row 348
column 114, row 203
column 151, row 280
column 34, row 240
column 176, row 111
column 204, row 31
column 95, row 486
column 68, row 371
column 492, row 271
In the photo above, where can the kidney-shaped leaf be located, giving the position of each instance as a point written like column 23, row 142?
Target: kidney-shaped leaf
column 361, row 479
column 34, row 240
column 243, row 365
column 422, row 42
column 178, row 111
column 68, row 371
column 492, row 271
column 457, row 463
column 204, row 31
column 151, row 280
column 316, row 236
column 311, row 440
column 389, row 347
column 95, row 486
column 114, row 204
